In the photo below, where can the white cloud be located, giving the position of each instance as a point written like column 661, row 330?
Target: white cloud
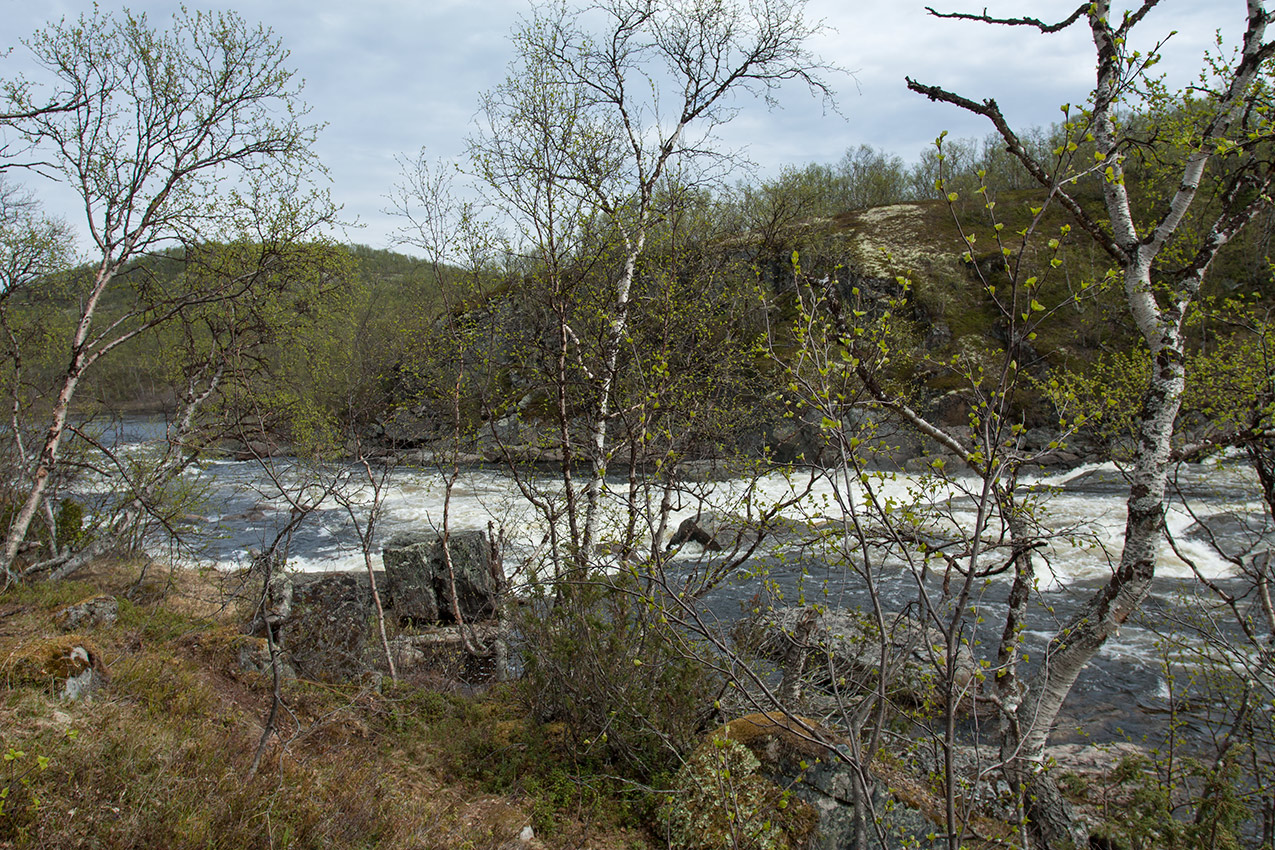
column 389, row 76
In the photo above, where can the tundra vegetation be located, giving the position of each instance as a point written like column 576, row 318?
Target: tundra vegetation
column 619, row 328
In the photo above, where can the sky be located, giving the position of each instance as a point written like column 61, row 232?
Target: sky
column 388, row 77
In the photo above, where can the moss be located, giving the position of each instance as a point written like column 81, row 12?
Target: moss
column 774, row 735
column 48, row 595
column 42, row 662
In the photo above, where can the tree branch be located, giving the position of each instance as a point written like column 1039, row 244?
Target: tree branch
column 1017, row 22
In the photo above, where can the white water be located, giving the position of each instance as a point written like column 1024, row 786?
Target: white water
column 244, row 507
column 244, row 503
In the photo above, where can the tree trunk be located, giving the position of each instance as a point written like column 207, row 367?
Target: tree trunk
column 44, row 469
column 1101, row 617
column 80, row 360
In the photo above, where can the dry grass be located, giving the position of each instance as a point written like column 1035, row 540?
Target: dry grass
column 161, row 756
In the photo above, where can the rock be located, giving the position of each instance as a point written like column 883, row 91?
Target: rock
column 226, row 645
column 330, row 625
column 1208, row 482
column 939, row 335
column 715, row 532
column 443, row 650
column 844, row 647
column 70, row 665
column 1235, row 535
column 1099, row 482
column 254, row 657
column 693, row 530
column 420, row 588
column 982, row 784
column 94, row 611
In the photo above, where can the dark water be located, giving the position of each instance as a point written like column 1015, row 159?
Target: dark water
column 1121, row 696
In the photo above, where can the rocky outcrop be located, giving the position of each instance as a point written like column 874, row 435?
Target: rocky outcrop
column 423, row 588
column 88, row 613
column 816, row 766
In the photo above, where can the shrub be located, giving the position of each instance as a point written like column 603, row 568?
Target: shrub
column 719, row 801
column 628, row 688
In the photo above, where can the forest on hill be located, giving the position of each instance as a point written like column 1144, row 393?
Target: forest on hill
column 599, row 309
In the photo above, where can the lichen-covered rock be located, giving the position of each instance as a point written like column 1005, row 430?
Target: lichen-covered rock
column 94, row 611
column 330, row 626
column 70, row 666
column 422, row 589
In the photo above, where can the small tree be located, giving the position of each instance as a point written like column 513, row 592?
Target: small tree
column 171, row 137
column 603, row 105
column 1223, row 142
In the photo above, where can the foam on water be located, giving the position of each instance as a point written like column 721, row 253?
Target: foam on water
column 245, row 507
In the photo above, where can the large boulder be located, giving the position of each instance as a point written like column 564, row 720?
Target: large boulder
column 844, row 647
column 421, row 588
column 329, row 626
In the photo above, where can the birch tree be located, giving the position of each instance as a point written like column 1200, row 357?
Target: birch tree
column 171, row 137
column 603, row 102
column 1221, row 156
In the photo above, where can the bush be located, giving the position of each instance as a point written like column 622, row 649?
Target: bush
column 718, row 801
column 629, row 689
column 70, row 524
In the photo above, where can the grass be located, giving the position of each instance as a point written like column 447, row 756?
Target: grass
column 160, row 757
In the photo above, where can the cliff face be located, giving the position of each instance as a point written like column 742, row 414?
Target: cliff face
column 713, row 334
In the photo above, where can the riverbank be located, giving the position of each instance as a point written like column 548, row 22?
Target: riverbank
column 161, row 754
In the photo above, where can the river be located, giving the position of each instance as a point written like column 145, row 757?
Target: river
column 240, row 506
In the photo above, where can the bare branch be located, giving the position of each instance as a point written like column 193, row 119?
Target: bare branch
column 1035, row 23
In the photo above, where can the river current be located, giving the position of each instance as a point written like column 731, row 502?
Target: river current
column 239, row 506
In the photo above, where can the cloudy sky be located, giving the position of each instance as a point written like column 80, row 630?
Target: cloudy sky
column 391, row 76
